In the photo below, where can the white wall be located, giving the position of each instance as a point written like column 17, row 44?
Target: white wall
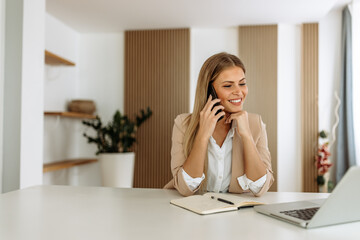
column 61, row 39
column 329, row 70
column 32, row 93
column 23, row 95
column 205, row 43
column 101, row 71
column 2, row 42
column 12, row 96
column 289, row 108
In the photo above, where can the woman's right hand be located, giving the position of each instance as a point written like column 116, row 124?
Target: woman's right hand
column 208, row 119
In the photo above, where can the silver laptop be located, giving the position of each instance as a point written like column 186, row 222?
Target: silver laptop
column 341, row 206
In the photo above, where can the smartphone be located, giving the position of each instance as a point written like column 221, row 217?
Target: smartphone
column 212, row 92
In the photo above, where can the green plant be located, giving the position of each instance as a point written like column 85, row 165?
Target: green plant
column 118, row 135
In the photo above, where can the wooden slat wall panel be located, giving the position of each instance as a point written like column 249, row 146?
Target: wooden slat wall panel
column 157, row 74
column 309, row 101
column 258, row 51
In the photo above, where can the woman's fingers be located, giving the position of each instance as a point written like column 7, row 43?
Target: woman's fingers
column 216, row 109
column 208, row 116
column 234, row 116
column 209, row 111
column 219, row 115
column 228, row 119
column 242, row 122
column 210, row 104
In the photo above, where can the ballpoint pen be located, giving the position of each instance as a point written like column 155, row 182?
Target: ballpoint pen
column 222, row 200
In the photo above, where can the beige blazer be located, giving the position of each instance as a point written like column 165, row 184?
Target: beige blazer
column 258, row 131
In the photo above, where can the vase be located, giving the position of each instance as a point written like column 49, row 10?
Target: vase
column 324, row 188
column 117, row 169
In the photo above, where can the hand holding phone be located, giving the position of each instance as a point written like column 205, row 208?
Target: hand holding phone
column 212, row 92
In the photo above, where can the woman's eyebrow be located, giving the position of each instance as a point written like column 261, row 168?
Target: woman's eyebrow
column 228, row 81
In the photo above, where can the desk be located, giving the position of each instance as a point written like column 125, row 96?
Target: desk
column 87, row 213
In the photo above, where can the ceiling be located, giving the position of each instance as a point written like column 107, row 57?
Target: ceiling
column 118, row 15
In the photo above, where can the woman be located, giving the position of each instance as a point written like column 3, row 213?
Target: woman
column 220, row 147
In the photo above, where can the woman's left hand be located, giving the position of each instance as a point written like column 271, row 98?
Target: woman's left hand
column 242, row 122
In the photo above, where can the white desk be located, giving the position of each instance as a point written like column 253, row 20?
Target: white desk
column 63, row 212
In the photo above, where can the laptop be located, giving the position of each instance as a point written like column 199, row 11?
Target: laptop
column 342, row 206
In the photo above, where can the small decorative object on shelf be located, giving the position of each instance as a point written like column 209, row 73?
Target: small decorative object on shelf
column 82, row 106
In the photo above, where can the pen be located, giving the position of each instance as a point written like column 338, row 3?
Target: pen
column 222, row 200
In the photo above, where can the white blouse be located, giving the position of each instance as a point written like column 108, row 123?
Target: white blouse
column 219, row 169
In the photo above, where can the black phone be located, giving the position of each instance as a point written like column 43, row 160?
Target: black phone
column 211, row 90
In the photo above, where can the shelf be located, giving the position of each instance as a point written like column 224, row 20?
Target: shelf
column 49, row 167
column 70, row 115
column 53, row 59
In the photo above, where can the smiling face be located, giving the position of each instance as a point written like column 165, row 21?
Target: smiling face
column 231, row 89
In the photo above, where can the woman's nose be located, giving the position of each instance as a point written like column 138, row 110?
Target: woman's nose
column 237, row 90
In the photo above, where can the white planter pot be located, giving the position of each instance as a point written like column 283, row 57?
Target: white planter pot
column 117, row 169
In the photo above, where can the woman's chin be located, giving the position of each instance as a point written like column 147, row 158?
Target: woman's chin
column 233, row 110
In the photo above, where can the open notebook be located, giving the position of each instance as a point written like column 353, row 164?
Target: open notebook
column 213, row 203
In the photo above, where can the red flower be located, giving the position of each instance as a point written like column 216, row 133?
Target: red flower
column 322, row 162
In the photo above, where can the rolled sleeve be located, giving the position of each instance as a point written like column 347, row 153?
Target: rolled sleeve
column 193, row 183
column 254, row 187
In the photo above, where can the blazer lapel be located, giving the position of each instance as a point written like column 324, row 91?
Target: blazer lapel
column 237, row 163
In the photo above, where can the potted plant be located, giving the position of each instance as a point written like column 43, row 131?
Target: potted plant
column 114, row 143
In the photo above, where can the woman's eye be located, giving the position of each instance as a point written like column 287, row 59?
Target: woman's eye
column 227, row 86
column 242, row 84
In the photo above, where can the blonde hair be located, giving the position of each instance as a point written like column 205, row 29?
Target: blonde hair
column 210, row 70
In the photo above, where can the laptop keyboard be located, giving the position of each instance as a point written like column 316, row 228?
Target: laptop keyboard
column 304, row 214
